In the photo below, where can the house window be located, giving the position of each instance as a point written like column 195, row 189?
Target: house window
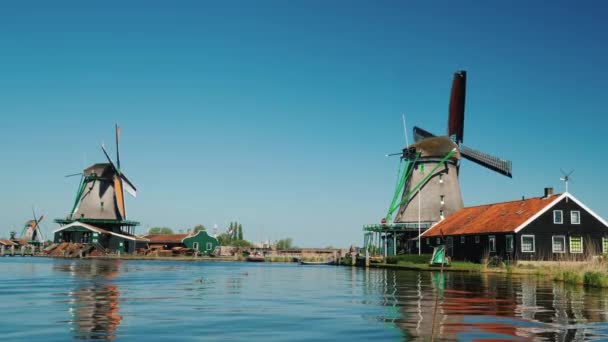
column 492, row 242
column 195, row 246
column 509, row 243
column 575, row 217
column 441, row 214
column 209, row 246
column 428, row 241
column 527, row 243
column 438, row 241
column 476, row 238
column 440, row 178
column 559, row 244
column 558, row 217
column 462, row 239
column 576, row 244
column 604, row 245
column 442, row 198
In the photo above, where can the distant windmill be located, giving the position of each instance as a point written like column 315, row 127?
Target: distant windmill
column 31, row 231
column 100, row 194
column 566, row 177
column 432, row 167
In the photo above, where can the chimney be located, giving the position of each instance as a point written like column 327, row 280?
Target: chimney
column 548, row 192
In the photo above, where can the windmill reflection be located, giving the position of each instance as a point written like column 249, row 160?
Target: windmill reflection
column 487, row 307
column 94, row 302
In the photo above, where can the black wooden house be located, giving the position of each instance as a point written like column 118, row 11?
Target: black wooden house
column 552, row 227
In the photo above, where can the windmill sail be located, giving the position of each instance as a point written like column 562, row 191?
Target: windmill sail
column 420, row 134
column 489, row 161
column 456, row 109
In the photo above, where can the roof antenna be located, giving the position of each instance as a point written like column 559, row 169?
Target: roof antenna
column 566, row 178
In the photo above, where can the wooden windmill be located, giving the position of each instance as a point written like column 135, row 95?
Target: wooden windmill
column 429, row 186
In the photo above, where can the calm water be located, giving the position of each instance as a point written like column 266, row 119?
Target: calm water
column 60, row 300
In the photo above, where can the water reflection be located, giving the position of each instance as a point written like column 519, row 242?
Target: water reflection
column 94, row 301
column 461, row 306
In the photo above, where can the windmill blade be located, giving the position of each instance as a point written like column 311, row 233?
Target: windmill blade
column 486, row 160
column 117, row 149
column 120, row 198
column 128, row 185
column 420, row 134
column 74, row 174
column 456, row 109
column 103, row 148
column 36, row 223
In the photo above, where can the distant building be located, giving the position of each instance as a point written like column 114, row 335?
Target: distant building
column 552, row 227
column 199, row 241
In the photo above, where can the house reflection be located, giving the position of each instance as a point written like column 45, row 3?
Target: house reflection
column 489, row 307
column 94, row 302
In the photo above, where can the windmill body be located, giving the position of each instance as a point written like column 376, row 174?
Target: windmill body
column 99, row 199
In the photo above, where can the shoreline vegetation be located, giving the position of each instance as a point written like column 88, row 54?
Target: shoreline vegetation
column 591, row 273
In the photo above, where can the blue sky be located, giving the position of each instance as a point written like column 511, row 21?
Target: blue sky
column 278, row 114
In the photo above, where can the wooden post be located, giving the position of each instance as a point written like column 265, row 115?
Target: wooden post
column 366, row 258
column 22, row 251
column 394, row 243
column 2, row 250
column 12, row 250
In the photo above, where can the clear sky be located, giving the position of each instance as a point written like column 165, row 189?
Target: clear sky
column 278, row 114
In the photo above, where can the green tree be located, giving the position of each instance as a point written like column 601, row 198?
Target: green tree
column 224, row 239
column 160, row 230
column 198, row 228
column 240, row 232
column 284, row 243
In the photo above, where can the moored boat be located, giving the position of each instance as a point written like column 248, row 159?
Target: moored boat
column 326, row 262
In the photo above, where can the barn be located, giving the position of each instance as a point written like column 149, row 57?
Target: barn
column 551, row 227
column 199, row 241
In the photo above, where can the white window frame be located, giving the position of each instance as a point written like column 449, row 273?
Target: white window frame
column 442, row 199
column 604, row 242
column 195, row 245
column 562, row 216
column 533, row 243
column 582, row 246
column 209, row 246
column 476, row 238
column 563, row 237
column 571, row 216
column 509, row 247
column 428, row 241
column 438, row 240
column 463, row 239
column 492, row 243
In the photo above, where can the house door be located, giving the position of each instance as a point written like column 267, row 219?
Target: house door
column 450, row 246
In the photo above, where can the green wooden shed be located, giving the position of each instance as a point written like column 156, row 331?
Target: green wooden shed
column 202, row 242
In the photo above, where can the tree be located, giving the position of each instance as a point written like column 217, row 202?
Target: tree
column 198, row 228
column 160, row 230
column 240, row 232
column 224, row 239
column 284, row 243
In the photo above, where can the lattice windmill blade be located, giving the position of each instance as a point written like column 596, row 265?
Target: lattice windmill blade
column 117, row 143
column 420, row 134
column 489, row 161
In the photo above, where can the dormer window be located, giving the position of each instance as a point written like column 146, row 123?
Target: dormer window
column 558, row 216
column 575, row 217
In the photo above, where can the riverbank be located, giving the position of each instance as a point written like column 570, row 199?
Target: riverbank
column 592, row 273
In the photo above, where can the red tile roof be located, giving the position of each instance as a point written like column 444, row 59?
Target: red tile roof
column 7, row 242
column 165, row 238
column 502, row 217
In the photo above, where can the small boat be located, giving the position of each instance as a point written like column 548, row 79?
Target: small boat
column 255, row 258
column 326, row 262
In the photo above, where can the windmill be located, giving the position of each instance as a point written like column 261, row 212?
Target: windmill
column 31, row 231
column 428, row 187
column 100, row 194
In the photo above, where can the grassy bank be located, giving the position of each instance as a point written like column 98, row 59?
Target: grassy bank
column 592, row 273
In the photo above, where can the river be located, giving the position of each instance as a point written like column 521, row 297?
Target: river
column 61, row 300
